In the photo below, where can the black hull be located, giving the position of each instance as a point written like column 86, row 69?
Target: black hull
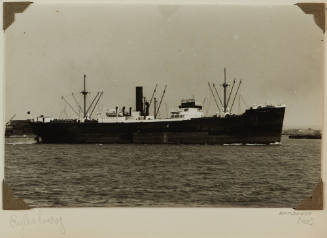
column 257, row 126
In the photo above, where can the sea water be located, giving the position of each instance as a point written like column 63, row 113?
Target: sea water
column 112, row 175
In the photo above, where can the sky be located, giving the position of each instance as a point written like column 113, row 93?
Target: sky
column 277, row 51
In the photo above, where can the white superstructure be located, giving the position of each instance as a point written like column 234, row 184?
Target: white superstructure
column 187, row 110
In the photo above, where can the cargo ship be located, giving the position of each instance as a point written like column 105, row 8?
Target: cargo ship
column 259, row 124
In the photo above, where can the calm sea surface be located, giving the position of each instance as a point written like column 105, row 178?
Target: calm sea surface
column 163, row 175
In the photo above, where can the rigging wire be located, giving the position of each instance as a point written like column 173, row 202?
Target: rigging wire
column 231, row 91
column 235, row 95
column 218, row 95
column 71, row 107
column 214, row 97
column 208, row 108
column 80, row 110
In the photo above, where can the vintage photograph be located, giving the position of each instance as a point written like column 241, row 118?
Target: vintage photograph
column 163, row 105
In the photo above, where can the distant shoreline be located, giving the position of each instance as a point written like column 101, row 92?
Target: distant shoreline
column 302, row 133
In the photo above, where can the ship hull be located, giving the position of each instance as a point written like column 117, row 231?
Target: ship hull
column 255, row 126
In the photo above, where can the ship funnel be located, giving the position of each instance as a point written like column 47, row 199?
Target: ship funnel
column 139, row 99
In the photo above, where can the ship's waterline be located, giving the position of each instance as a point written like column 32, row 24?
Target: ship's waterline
column 261, row 125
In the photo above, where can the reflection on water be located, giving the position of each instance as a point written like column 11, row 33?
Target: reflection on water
column 163, row 175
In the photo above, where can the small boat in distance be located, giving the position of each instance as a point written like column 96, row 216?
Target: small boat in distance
column 187, row 125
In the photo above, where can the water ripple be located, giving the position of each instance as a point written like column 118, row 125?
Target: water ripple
column 163, row 175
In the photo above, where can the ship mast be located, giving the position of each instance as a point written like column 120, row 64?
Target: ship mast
column 225, row 85
column 84, row 93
